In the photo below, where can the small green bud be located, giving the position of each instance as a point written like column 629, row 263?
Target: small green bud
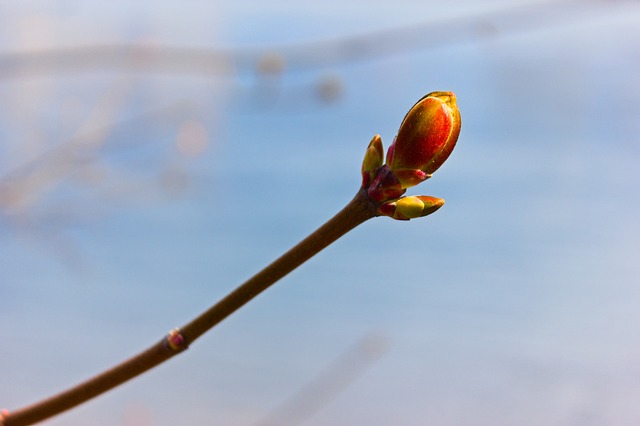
column 372, row 160
column 411, row 207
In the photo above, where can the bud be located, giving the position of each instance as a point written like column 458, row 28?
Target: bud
column 406, row 208
column 385, row 186
column 175, row 340
column 372, row 160
column 426, row 138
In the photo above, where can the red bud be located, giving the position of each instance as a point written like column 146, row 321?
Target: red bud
column 426, row 137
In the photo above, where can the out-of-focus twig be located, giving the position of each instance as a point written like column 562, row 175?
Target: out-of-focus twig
column 25, row 184
column 302, row 56
column 54, row 164
column 327, row 386
column 24, row 206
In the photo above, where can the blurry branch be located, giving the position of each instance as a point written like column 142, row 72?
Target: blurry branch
column 24, row 203
column 26, row 186
column 21, row 186
column 118, row 56
column 322, row 390
column 303, row 56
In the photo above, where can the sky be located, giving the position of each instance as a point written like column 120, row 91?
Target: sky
column 138, row 187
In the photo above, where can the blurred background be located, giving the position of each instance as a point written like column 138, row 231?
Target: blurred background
column 154, row 155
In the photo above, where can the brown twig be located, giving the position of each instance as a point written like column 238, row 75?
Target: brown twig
column 426, row 137
column 357, row 211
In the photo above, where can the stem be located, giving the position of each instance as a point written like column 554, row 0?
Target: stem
column 353, row 214
column 357, row 211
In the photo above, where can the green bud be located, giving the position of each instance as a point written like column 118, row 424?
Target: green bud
column 411, row 207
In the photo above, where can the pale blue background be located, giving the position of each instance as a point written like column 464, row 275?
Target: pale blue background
column 516, row 304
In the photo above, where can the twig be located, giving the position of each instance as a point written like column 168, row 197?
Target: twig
column 425, row 140
column 353, row 214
